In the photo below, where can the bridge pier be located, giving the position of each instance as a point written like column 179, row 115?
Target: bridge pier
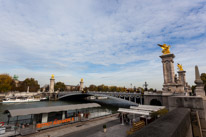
column 135, row 100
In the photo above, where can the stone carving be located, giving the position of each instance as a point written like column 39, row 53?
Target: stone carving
column 165, row 48
column 180, row 67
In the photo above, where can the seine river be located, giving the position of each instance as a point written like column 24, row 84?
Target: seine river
column 6, row 106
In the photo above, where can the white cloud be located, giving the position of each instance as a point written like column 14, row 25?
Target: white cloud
column 63, row 37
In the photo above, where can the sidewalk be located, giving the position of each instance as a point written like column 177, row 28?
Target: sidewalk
column 70, row 128
column 114, row 129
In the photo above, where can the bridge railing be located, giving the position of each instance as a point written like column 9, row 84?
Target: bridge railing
column 102, row 93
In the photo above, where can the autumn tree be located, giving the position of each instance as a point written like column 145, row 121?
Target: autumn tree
column 31, row 83
column 59, row 86
column 5, row 83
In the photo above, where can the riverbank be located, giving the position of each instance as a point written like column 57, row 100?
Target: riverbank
column 63, row 131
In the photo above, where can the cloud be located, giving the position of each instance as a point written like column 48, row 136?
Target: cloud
column 111, row 42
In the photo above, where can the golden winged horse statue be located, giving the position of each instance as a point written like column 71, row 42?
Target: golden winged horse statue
column 179, row 67
column 165, row 48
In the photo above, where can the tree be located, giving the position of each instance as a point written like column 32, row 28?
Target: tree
column 92, row 88
column 5, row 82
column 113, row 88
column 100, row 87
column 31, row 83
column 59, row 86
column 151, row 89
column 203, row 77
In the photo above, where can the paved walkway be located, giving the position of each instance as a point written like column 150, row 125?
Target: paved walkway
column 76, row 127
column 114, row 129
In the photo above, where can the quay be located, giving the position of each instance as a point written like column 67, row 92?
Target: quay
column 64, row 120
column 78, row 128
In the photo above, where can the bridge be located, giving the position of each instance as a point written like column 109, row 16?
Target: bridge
column 131, row 98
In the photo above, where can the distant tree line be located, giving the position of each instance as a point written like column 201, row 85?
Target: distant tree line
column 105, row 88
column 7, row 83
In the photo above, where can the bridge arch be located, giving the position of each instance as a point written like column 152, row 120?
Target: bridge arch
column 67, row 95
column 155, row 102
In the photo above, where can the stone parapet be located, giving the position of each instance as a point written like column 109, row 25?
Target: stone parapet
column 174, row 124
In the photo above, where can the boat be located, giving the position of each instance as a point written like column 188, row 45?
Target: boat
column 44, row 99
column 20, row 99
column 102, row 97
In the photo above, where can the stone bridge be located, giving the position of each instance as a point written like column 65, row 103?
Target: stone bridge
column 119, row 96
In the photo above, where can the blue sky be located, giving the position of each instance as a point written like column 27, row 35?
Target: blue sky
column 112, row 42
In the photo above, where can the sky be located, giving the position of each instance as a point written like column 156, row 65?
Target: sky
column 111, row 42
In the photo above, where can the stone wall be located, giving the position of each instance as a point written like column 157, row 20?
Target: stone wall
column 163, row 98
column 194, row 103
column 175, row 124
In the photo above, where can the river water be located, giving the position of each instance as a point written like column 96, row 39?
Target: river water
column 7, row 106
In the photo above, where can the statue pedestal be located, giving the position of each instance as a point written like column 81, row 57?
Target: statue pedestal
column 168, row 72
column 199, row 90
column 182, row 78
column 51, row 86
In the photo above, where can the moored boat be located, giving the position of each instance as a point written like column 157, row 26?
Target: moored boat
column 20, row 99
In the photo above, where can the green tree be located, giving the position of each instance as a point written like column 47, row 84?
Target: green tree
column 93, row 88
column 31, row 83
column 100, row 87
column 151, row 89
column 5, row 82
column 59, row 86
column 160, row 113
column 203, row 77
column 113, row 88
column 193, row 88
column 106, row 88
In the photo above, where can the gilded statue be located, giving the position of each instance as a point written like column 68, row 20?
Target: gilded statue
column 165, row 48
column 82, row 80
column 52, row 76
column 179, row 67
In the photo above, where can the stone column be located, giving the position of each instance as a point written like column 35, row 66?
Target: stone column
column 51, row 86
column 199, row 90
column 168, row 71
column 81, row 88
column 182, row 79
column 168, row 68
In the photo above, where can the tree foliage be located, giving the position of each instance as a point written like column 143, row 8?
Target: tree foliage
column 160, row 113
column 5, row 82
column 203, row 77
column 31, row 83
column 59, row 86
column 105, row 88
column 93, row 88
